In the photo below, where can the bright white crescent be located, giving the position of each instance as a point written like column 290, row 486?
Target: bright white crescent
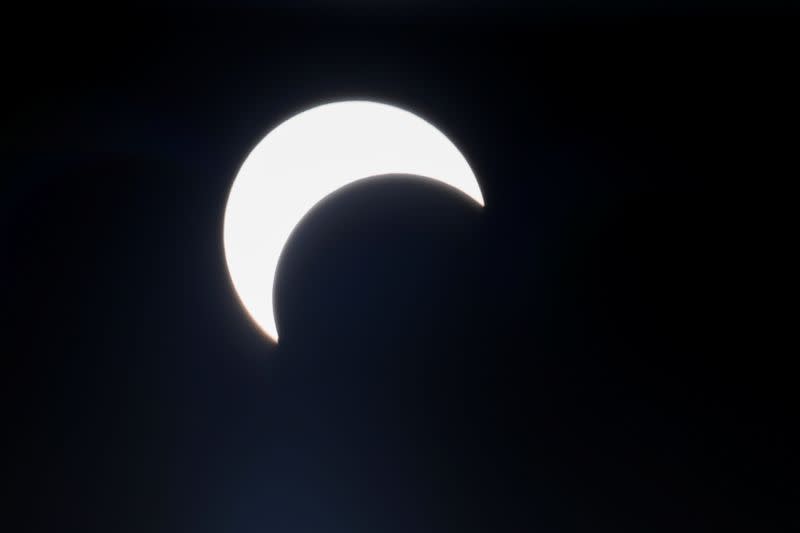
column 305, row 159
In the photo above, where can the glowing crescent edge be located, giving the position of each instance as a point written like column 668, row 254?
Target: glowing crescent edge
column 308, row 157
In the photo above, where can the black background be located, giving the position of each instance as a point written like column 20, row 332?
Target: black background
column 599, row 349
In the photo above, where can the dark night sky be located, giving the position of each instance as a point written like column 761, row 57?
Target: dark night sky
column 598, row 350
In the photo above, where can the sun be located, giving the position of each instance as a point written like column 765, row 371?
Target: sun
column 305, row 159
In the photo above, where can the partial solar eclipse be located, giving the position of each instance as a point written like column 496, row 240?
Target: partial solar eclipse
column 308, row 157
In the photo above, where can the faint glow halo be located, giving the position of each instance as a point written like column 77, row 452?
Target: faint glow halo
column 308, row 157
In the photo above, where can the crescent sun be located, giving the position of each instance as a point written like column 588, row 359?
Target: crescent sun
column 305, row 159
